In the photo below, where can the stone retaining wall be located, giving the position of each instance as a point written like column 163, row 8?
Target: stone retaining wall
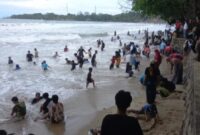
column 191, row 123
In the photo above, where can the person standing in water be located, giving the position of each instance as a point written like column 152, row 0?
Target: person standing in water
column 90, row 52
column 29, row 56
column 112, row 63
column 10, row 61
column 36, row 53
column 73, row 65
column 102, row 45
column 81, row 52
column 66, row 49
column 45, row 66
column 89, row 78
column 56, row 55
column 118, row 58
column 93, row 61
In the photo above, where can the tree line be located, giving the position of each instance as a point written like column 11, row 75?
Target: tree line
column 167, row 9
column 123, row 17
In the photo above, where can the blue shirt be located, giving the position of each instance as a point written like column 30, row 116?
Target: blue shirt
column 44, row 66
column 162, row 45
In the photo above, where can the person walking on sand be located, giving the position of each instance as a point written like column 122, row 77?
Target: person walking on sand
column 89, row 78
column 152, row 74
column 157, row 58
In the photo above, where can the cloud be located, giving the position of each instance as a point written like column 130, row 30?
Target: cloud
column 34, row 4
column 61, row 6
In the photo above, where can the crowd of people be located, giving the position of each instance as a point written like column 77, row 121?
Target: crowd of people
column 121, row 123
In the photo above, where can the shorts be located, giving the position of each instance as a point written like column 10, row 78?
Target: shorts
column 90, row 80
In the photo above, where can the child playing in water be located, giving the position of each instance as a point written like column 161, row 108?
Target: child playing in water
column 19, row 110
column 73, row 65
column 56, row 55
column 45, row 66
column 17, row 67
column 37, row 98
column 89, row 78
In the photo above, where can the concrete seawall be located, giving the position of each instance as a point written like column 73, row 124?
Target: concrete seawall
column 191, row 123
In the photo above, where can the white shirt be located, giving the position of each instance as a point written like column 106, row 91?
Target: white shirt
column 185, row 27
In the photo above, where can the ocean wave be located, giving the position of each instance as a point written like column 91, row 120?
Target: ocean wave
column 36, row 38
column 94, row 35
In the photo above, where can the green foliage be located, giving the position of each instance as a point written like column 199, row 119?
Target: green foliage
column 163, row 8
column 124, row 17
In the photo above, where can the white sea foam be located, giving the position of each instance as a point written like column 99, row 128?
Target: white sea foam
column 19, row 36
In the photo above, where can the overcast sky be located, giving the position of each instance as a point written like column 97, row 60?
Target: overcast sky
column 9, row 7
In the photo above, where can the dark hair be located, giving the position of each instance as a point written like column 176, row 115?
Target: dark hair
column 90, row 69
column 55, row 98
column 123, row 100
column 37, row 94
column 14, row 99
column 3, row 132
column 45, row 95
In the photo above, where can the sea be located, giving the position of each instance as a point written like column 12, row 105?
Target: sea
column 19, row 36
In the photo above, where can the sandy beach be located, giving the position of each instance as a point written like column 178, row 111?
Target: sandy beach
column 171, row 109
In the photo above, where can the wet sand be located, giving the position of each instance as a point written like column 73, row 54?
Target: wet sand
column 171, row 110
